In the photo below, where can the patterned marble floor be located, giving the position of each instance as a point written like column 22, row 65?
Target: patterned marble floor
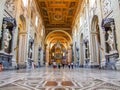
column 63, row 79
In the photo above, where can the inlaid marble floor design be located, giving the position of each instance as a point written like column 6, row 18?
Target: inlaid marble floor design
column 64, row 79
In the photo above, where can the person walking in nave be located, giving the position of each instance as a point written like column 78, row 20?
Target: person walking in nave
column 69, row 65
column 72, row 65
column 54, row 65
column 59, row 65
column 63, row 65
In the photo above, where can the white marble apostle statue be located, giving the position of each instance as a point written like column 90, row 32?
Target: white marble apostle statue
column 110, row 40
column 7, row 38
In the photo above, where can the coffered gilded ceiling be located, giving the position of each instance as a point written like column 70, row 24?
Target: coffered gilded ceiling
column 58, row 13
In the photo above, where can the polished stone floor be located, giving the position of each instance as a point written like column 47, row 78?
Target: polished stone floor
column 63, row 79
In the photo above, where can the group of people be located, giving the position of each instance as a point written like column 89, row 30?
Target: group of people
column 61, row 65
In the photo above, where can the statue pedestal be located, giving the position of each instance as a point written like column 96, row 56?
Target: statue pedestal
column 14, row 64
column 103, row 63
column 93, row 65
column 118, row 64
column 6, row 60
column 86, row 64
column 111, row 60
column 29, row 63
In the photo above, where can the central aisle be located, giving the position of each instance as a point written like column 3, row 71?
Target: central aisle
column 60, row 79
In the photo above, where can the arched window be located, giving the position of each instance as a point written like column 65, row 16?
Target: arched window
column 25, row 2
column 92, row 2
column 36, row 21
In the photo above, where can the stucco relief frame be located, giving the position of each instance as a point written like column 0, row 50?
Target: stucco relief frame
column 11, row 7
column 106, row 7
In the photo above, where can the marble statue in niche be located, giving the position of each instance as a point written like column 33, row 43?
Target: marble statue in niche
column 30, row 49
column 0, row 34
column 30, row 53
column 6, row 35
column 7, row 38
column 8, row 26
column 110, row 40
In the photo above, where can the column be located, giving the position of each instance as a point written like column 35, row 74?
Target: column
column 71, row 52
column 70, row 55
column 14, row 46
column 46, row 55
column 22, row 49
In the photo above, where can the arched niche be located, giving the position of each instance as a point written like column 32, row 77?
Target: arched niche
column 111, row 52
column 58, row 35
column 95, row 42
column 21, row 42
column 59, row 31
column 108, row 26
column 58, row 52
column 6, row 41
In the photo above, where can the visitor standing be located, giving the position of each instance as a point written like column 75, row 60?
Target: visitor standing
column 72, row 65
column 59, row 66
column 69, row 65
column 63, row 65
column 54, row 65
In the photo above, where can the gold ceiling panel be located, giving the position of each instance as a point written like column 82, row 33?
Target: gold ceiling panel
column 58, row 13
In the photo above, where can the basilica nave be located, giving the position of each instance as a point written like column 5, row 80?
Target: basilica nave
column 59, row 44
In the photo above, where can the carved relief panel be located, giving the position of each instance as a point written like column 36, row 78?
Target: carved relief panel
column 106, row 7
column 10, row 7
